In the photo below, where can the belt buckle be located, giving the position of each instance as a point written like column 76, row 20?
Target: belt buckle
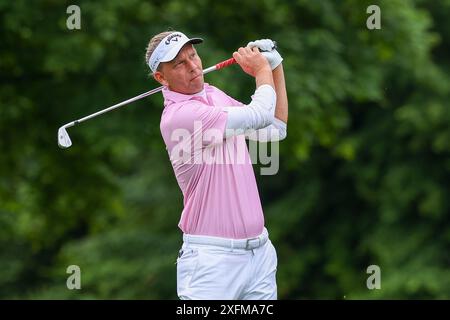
column 247, row 244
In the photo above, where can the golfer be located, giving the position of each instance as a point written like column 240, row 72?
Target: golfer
column 226, row 252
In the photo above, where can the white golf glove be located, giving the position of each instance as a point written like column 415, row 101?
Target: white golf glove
column 268, row 50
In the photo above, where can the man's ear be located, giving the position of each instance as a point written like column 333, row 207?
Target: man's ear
column 159, row 76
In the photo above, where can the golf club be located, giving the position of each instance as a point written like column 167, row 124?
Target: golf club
column 63, row 137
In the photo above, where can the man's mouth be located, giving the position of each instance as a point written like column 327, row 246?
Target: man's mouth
column 196, row 77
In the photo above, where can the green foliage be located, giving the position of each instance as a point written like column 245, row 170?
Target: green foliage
column 363, row 173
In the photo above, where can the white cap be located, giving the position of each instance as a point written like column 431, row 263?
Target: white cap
column 168, row 48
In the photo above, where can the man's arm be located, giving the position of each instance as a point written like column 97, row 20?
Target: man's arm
column 261, row 110
column 278, row 129
column 281, row 109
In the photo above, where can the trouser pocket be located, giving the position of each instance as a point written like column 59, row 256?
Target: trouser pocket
column 187, row 263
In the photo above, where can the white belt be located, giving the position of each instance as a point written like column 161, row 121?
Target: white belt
column 247, row 244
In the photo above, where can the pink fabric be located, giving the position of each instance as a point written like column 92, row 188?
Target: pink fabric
column 220, row 197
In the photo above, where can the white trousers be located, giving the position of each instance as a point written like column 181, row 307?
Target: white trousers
column 213, row 272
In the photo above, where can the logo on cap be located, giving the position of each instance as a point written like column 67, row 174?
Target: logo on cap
column 173, row 37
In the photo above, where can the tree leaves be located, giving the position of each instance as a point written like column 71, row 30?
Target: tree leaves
column 363, row 173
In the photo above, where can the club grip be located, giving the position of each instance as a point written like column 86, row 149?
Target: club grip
column 225, row 63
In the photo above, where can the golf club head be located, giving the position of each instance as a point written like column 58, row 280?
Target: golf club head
column 63, row 138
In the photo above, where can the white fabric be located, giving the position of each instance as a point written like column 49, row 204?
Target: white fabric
column 250, row 243
column 168, row 49
column 242, row 121
column 262, row 44
column 211, row 272
column 277, row 131
column 258, row 114
column 268, row 49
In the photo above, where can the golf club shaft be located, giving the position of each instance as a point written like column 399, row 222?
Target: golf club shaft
column 218, row 66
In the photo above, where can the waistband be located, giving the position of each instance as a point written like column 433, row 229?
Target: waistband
column 247, row 244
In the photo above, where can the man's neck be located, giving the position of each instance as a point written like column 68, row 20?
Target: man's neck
column 200, row 93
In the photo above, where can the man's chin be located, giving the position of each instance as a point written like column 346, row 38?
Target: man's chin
column 198, row 84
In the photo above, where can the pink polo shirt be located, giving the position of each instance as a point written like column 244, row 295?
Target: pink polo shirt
column 215, row 174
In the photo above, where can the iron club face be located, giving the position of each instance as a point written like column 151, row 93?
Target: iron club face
column 63, row 138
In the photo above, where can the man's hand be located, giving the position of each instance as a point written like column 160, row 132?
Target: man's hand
column 251, row 61
column 268, row 50
column 254, row 64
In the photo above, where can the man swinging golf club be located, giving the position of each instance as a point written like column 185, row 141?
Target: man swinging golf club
column 226, row 251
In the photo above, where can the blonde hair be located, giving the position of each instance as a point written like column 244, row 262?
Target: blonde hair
column 153, row 43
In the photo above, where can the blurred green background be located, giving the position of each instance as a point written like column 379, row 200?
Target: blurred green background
column 364, row 173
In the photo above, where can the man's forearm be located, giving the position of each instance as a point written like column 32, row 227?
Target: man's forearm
column 281, row 109
column 264, row 76
column 256, row 115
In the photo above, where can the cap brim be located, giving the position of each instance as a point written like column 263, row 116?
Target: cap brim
column 174, row 51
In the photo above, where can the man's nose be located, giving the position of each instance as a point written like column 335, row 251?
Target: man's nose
column 192, row 66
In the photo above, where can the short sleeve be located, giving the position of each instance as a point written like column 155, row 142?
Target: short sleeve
column 199, row 121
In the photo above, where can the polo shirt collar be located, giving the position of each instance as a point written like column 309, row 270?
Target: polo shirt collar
column 176, row 97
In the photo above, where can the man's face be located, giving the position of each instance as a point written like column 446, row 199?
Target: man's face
column 184, row 74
